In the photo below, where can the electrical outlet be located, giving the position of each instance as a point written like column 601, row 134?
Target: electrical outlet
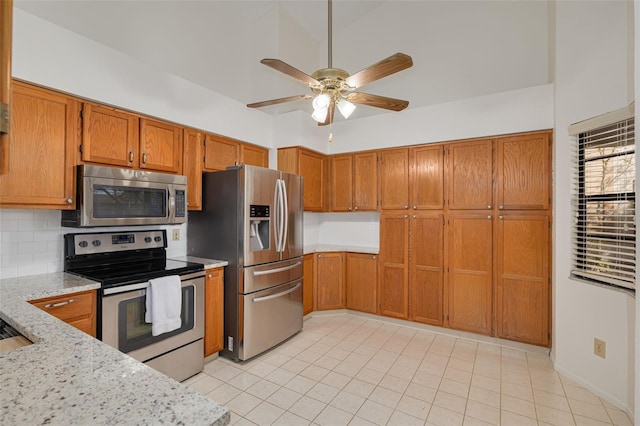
column 176, row 234
column 600, row 348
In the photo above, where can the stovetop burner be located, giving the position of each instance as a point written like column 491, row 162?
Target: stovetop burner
column 120, row 258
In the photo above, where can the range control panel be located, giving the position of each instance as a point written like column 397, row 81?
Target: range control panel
column 104, row 242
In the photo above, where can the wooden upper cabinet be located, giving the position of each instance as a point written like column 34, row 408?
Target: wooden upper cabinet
column 220, row 152
column 427, row 177
column 193, row 162
column 426, row 268
column 341, row 183
column 394, row 179
column 522, row 282
column 470, row 175
column 470, row 265
column 109, row 136
column 365, row 181
column 393, row 274
column 330, row 281
column 312, row 166
column 524, row 171
column 45, row 127
column 160, row 146
column 254, row 155
column 6, row 21
column 362, row 282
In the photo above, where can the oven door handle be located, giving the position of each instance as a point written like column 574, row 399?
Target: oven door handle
column 276, row 295
column 123, row 289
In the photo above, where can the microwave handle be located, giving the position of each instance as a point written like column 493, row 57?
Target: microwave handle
column 172, row 204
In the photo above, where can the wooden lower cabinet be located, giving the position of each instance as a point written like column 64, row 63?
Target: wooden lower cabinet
column 469, row 277
column 522, row 282
column 393, row 274
column 330, row 281
column 308, row 283
column 362, row 270
column 214, row 311
column 426, row 268
column 76, row 309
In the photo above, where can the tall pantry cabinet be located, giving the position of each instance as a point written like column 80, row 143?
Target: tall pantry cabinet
column 464, row 236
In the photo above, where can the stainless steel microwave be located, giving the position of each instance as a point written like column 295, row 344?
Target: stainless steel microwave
column 109, row 196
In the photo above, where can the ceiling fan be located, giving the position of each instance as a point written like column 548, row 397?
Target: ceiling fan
column 334, row 87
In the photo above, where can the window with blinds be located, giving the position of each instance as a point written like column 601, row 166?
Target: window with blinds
column 604, row 203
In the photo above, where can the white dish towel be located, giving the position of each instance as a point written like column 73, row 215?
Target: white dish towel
column 164, row 303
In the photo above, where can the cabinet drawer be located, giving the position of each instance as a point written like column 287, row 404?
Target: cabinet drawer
column 77, row 309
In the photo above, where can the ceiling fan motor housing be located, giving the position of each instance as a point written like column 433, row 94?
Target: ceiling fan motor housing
column 331, row 79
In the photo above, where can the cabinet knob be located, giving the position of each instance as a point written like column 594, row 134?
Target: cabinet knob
column 131, row 156
column 209, row 275
column 144, row 158
column 414, row 216
column 415, row 207
column 355, row 208
column 349, row 208
column 500, row 217
column 406, row 207
column 489, row 206
column 373, row 257
column 69, row 200
column 489, row 216
column 501, row 207
column 406, row 216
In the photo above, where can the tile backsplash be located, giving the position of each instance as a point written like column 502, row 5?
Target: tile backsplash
column 31, row 241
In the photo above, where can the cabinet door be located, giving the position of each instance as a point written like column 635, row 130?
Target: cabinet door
column 426, row 267
column 220, row 153
column 365, row 181
column 362, row 279
column 313, row 169
column 427, row 177
column 341, row 183
column 469, row 278
column 214, row 311
column 109, row 136
column 470, row 175
column 330, row 288
column 6, row 21
column 308, row 280
column 394, row 179
column 44, row 142
column 192, row 167
column 524, row 172
column 522, row 246
column 393, row 282
column 160, row 146
column 254, row 155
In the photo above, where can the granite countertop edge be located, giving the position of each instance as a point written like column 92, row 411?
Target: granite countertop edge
column 315, row 248
column 69, row 377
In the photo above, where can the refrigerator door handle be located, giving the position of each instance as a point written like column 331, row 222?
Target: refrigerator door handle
column 281, row 215
column 276, row 295
column 276, row 270
column 276, row 215
column 285, row 215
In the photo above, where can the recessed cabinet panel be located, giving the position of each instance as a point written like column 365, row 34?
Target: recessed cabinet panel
column 330, row 281
column 254, row 155
column 214, row 311
column 341, row 183
column 523, row 278
column 427, row 178
column 365, row 181
column 393, row 282
column 220, row 153
column 362, row 282
column 470, row 175
column 160, row 146
column 469, row 281
column 193, row 161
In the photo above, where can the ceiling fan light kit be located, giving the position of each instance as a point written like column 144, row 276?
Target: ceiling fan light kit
column 335, row 87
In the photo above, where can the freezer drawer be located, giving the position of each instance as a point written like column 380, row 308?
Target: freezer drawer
column 256, row 278
column 270, row 317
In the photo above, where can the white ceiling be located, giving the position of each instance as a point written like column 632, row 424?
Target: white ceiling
column 460, row 49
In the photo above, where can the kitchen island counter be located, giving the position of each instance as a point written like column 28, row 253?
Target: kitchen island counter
column 68, row 377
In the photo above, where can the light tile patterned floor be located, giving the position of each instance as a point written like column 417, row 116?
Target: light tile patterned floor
column 351, row 370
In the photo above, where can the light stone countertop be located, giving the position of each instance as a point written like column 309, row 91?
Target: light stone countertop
column 208, row 263
column 69, row 378
column 315, row 248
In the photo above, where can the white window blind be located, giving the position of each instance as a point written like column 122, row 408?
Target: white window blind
column 604, row 195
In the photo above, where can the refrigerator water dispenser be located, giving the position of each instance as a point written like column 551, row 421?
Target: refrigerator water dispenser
column 259, row 236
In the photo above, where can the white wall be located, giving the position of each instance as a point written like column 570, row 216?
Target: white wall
column 592, row 78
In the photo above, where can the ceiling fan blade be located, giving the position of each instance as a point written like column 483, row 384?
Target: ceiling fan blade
column 283, row 67
column 377, row 101
column 329, row 119
column 279, row 101
column 385, row 67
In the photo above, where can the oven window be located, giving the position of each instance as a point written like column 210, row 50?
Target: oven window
column 110, row 201
column 134, row 333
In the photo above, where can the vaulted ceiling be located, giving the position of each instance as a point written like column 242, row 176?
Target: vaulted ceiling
column 460, row 49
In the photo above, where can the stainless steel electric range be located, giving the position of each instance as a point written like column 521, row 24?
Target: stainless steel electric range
column 124, row 262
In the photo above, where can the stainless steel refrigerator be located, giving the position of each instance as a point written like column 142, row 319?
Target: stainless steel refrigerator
column 252, row 217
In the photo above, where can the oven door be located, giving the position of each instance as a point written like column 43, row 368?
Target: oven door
column 124, row 327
